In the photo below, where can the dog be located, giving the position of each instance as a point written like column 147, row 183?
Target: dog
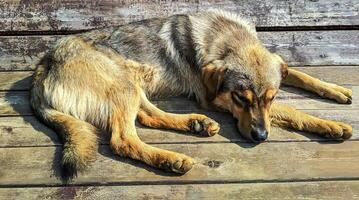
column 101, row 81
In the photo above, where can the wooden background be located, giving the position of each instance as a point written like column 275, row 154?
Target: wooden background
column 319, row 37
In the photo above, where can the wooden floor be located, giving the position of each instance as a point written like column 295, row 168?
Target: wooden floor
column 288, row 165
column 321, row 38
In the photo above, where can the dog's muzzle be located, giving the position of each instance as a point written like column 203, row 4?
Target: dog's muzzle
column 259, row 134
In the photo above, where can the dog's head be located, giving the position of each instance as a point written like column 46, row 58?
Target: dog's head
column 245, row 84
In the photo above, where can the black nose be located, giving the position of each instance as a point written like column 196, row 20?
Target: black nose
column 259, row 134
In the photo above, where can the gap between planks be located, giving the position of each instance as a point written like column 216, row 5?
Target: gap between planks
column 258, row 29
column 199, row 182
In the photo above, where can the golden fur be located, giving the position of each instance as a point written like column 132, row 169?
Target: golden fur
column 101, row 80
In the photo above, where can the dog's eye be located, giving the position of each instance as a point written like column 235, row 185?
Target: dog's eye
column 241, row 100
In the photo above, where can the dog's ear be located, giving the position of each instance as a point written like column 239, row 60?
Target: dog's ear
column 213, row 77
column 284, row 70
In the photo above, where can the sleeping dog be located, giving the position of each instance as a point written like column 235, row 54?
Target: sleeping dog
column 100, row 81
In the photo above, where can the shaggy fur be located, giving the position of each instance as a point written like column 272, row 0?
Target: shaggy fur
column 102, row 79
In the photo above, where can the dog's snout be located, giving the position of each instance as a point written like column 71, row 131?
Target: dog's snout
column 259, row 134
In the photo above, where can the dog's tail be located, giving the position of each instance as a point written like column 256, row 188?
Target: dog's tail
column 79, row 137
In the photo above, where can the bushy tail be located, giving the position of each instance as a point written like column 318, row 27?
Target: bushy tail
column 79, row 137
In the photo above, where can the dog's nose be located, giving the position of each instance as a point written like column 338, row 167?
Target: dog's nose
column 259, row 134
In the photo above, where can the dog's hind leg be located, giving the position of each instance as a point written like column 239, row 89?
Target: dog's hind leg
column 327, row 90
column 288, row 117
column 125, row 142
column 151, row 116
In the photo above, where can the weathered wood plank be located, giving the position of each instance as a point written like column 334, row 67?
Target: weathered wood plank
column 314, row 47
column 342, row 75
column 296, row 47
column 17, row 103
column 289, row 190
column 77, row 15
column 28, row 131
column 23, row 52
column 14, row 103
column 15, row 80
column 215, row 163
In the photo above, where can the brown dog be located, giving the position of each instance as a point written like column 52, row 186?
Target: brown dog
column 101, row 80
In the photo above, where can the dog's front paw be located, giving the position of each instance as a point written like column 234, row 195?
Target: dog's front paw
column 207, row 126
column 337, row 130
column 338, row 93
column 176, row 162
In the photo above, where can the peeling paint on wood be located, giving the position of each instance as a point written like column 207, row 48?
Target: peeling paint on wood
column 39, row 15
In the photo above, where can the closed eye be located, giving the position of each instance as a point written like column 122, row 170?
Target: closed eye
column 241, row 100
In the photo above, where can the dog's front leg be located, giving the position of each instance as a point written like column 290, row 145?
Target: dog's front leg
column 151, row 116
column 327, row 90
column 125, row 142
column 288, row 117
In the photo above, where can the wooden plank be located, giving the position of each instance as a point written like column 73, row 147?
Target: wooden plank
column 342, row 75
column 296, row 47
column 28, row 131
column 23, row 52
column 289, row 190
column 15, row 80
column 16, row 103
column 314, row 47
column 78, row 15
column 234, row 162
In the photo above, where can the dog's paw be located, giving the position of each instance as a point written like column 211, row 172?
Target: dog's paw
column 176, row 162
column 346, row 91
column 337, row 130
column 338, row 93
column 207, row 126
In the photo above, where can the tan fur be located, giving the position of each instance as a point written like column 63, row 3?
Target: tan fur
column 326, row 90
column 100, row 100
column 83, row 86
column 153, row 117
column 287, row 117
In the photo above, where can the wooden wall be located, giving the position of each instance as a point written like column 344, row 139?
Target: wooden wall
column 53, row 15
